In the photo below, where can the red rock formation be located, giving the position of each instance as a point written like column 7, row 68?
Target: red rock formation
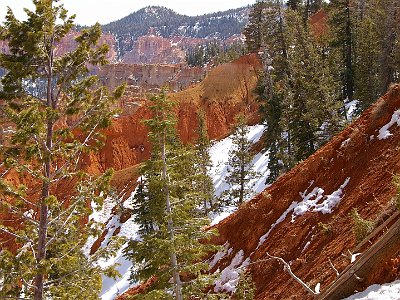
column 319, row 22
column 145, row 77
column 68, row 44
column 224, row 93
column 152, row 49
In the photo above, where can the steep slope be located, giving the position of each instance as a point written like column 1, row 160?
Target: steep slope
column 304, row 217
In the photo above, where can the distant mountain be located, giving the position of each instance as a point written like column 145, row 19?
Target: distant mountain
column 166, row 23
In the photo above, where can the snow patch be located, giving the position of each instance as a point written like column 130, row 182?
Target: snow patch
column 312, row 201
column 388, row 291
column 220, row 254
column 354, row 257
column 111, row 287
column 280, row 219
column 229, row 277
column 219, row 154
column 384, row 132
column 345, row 143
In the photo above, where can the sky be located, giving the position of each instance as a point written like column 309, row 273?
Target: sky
column 89, row 12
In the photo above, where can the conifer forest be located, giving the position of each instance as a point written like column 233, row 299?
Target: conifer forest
column 246, row 154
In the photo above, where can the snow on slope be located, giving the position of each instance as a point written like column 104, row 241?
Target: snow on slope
column 219, row 158
column 388, row 291
column 111, row 287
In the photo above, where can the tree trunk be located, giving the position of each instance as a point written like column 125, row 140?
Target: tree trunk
column 174, row 261
column 44, row 209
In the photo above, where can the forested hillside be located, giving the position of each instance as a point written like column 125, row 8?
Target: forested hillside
column 348, row 52
column 167, row 23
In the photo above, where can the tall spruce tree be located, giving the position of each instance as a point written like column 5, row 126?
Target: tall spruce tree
column 341, row 23
column 240, row 169
column 254, row 28
column 203, row 163
column 369, row 43
column 298, row 90
column 312, row 104
column 168, row 246
column 51, row 127
column 274, row 86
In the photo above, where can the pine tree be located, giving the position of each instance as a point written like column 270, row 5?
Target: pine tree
column 298, row 91
column 246, row 287
column 312, row 105
column 254, row 30
column 203, row 163
column 53, row 126
column 240, row 169
column 341, row 22
column 390, row 59
column 168, row 214
column 368, row 45
column 273, row 88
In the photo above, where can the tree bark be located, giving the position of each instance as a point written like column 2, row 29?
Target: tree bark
column 174, row 261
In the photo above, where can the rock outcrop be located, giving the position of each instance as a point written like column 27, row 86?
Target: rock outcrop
column 144, row 77
column 152, row 49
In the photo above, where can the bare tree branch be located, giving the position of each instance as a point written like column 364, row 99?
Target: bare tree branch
column 289, row 270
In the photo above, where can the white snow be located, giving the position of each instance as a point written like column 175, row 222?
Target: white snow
column 384, row 132
column 317, row 288
column 351, row 108
column 111, row 287
column 354, row 257
column 229, row 277
column 345, row 143
column 219, row 154
column 306, row 246
column 312, row 201
column 280, row 219
column 388, row 291
column 220, row 254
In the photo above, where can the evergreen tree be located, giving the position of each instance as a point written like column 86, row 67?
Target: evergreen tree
column 273, row 88
column 240, row 170
column 368, row 45
column 312, row 105
column 246, row 288
column 52, row 129
column 390, row 58
column 203, row 163
column 254, row 30
column 167, row 212
column 341, row 22
column 298, row 91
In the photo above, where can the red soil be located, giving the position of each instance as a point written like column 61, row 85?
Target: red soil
column 370, row 164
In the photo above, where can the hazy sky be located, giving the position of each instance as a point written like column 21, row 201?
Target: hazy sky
column 104, row 11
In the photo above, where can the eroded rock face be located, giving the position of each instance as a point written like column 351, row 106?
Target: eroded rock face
column 68, row 44
column 224, row 93
column 152, row 49
column 144, row 77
